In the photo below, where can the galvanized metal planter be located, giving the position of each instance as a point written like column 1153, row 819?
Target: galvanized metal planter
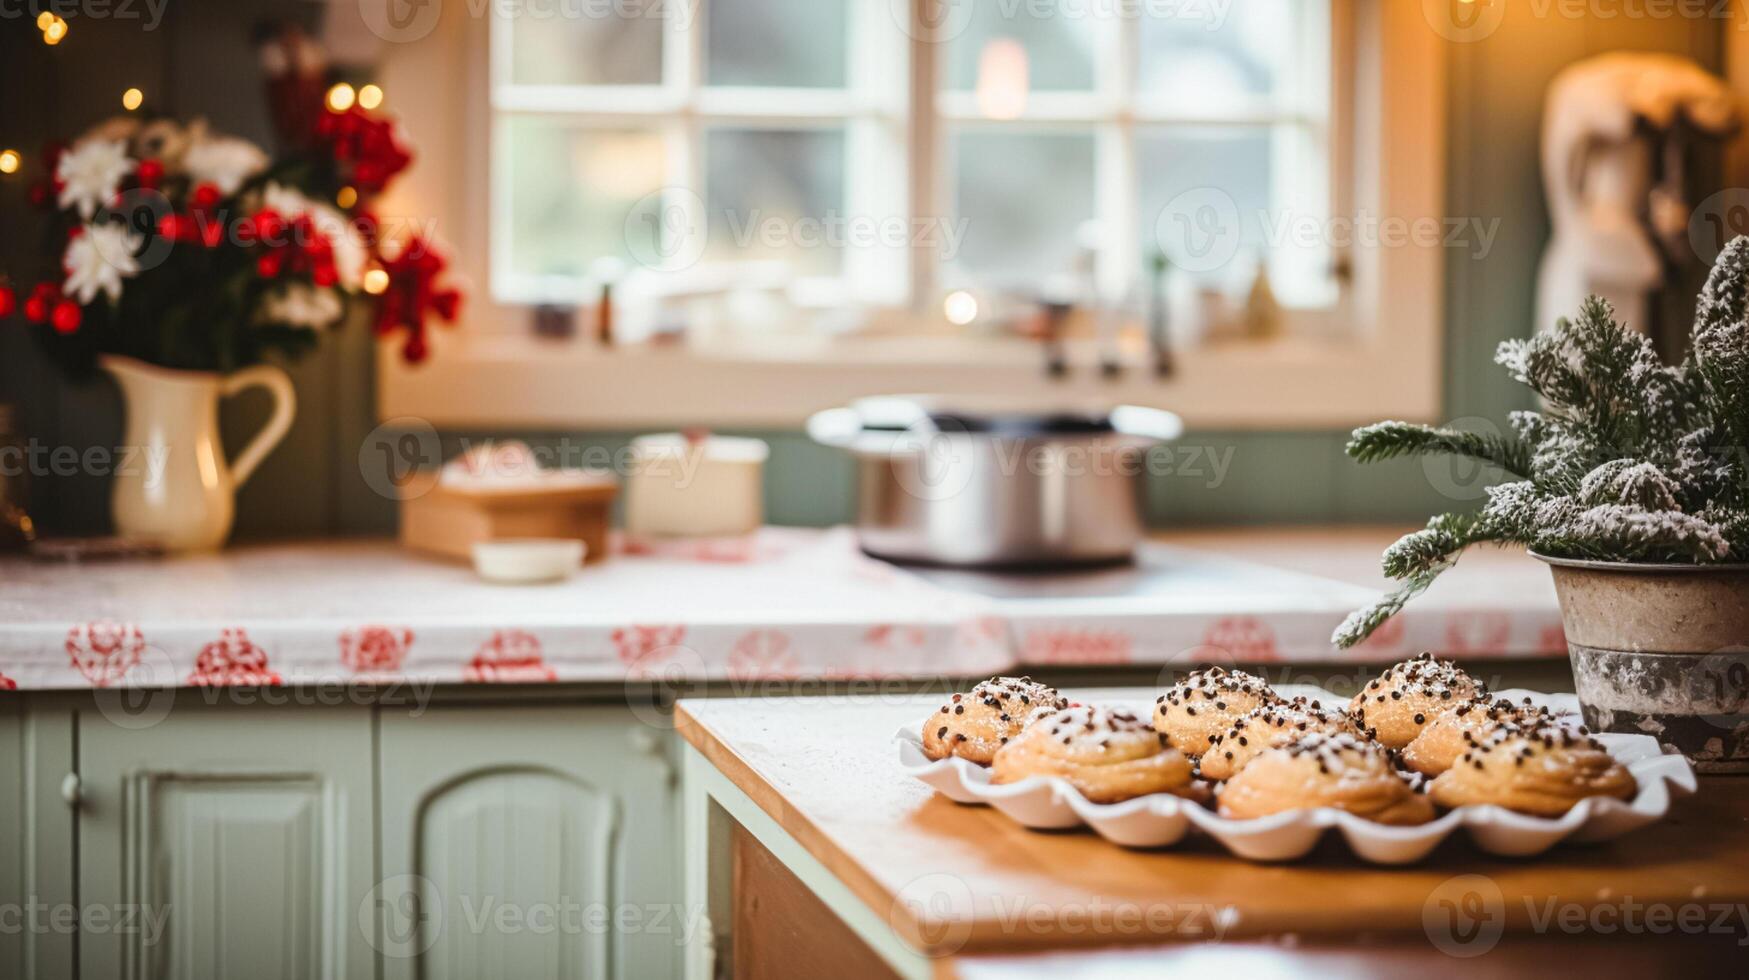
column 1662, row 650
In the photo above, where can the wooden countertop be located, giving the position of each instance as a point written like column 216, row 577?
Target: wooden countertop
column 826, row 771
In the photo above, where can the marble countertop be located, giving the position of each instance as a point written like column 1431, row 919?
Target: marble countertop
column 790, row 603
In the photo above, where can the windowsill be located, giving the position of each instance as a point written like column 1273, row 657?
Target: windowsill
column 523, row 382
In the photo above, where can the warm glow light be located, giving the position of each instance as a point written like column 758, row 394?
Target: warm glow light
column 1002, row 79
column 341, row 97
column 132, row 99
column 9, row 160
column 347, row 197
column 375, row 281
column 370, row 96
column 55, row 31
column 43, row 20
column 960, row 307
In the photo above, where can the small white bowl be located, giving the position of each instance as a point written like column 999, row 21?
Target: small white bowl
column 522, row 561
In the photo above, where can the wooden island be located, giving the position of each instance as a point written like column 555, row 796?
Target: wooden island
column 815, row 855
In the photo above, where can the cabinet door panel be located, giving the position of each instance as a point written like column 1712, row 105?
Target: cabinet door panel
column 529, row 841
column 36, row 841
column 224, row 844
column 510, row 849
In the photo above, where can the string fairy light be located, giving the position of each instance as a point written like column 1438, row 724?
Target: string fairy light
column 341, row 97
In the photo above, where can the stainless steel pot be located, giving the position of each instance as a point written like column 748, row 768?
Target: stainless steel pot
column 980, row 485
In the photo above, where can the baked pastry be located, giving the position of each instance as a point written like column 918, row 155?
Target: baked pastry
column 1401, row 701
column 1205, row 704
column 1316, row 770
column 974, row 725
column 1109, row 754
column 1457, row 730
column 1267, row 726
column 1541, row 771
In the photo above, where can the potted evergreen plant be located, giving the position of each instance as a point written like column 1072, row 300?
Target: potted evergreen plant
column 1632, row 483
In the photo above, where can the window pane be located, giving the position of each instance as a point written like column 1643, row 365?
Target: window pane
column 1055, row 47
column 1192, row 58
column 775, row 194
column 1217, row 200
column 1206, row 199
column 571, row 193
column 584, row 44
column 1021, row 198
column 776, row 42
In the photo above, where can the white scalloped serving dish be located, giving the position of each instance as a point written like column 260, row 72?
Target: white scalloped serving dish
column 1161, row 819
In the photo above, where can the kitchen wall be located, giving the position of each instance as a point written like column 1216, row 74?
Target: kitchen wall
column 192, row 64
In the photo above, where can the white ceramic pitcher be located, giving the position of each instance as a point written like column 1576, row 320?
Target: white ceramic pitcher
column 172, row 485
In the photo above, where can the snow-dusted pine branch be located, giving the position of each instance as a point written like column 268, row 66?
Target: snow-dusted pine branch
column 1629, row 460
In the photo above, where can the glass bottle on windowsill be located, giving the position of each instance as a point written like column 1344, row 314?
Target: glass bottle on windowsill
column 16, row 529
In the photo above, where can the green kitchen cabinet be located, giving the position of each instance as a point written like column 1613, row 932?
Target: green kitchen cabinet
column 194, row 834
column 38, row 912
column 528, row 841
column 226, row 842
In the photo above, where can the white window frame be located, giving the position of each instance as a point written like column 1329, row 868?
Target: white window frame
column 870, row 110
column 494, row 373
column 1116, row 113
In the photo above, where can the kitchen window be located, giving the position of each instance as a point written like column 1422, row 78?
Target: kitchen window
column 831, row 177
column 742, row 133
column 692, row 141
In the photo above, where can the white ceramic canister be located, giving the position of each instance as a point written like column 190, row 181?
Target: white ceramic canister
column 695, row 486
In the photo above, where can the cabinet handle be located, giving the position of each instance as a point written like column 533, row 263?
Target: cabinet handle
column 646, row 742
column 651, row 744
column 70, row 789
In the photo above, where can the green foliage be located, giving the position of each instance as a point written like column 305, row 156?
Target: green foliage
column 1360, row 624
column 1387, row 440
column 1432, row 548
column 1630, row 459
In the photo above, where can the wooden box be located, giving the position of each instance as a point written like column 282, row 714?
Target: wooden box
column 447, row 520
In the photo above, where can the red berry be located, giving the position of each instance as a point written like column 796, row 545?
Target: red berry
column 447, row 304
column 36, row 309
column 67, row 316
column 8, row 301
column 151, row 172
column 205, row 197
column 267, row 266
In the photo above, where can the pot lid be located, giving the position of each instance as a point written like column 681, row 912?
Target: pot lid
column 998, row 418
column 994, row 416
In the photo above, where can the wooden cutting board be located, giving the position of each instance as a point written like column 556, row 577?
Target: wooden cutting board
column 965, row 879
